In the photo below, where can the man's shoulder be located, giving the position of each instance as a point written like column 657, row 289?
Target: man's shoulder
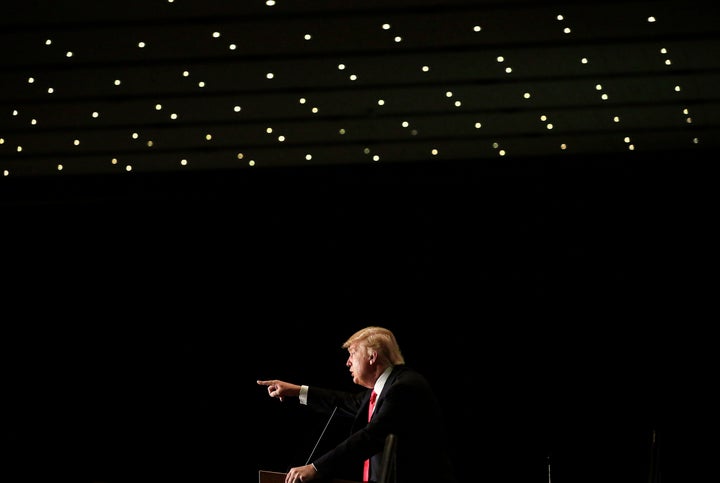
column 405, row 373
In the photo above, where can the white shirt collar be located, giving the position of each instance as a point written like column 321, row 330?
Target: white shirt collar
column 380, row 383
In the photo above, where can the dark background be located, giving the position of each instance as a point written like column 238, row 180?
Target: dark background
column 558, row 315
column 558, row 300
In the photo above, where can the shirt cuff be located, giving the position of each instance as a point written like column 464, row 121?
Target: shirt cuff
column 303, row 395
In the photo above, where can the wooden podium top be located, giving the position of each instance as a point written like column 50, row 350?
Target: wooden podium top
column 277, row 477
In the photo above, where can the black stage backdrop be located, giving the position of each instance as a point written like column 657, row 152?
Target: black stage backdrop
column 558, row 311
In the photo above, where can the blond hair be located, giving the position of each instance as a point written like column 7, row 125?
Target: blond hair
column 380, row 340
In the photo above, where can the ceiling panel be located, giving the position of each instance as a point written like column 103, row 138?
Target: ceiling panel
column 140, row 86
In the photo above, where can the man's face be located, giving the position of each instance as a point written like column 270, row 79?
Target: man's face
column 358, row 363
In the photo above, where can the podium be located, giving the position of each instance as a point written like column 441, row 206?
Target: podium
column 387, row 475
column 277, row 477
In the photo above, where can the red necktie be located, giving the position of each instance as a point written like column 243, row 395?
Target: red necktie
column 366, row 468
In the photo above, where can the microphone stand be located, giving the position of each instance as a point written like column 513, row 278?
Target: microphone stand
column 321, row 436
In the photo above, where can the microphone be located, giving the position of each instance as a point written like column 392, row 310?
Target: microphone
column 548, row 468
column 321, row 436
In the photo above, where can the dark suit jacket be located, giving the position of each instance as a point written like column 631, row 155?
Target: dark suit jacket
column 407, row 408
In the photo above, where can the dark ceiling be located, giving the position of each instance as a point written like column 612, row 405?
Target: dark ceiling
column 187, row 86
